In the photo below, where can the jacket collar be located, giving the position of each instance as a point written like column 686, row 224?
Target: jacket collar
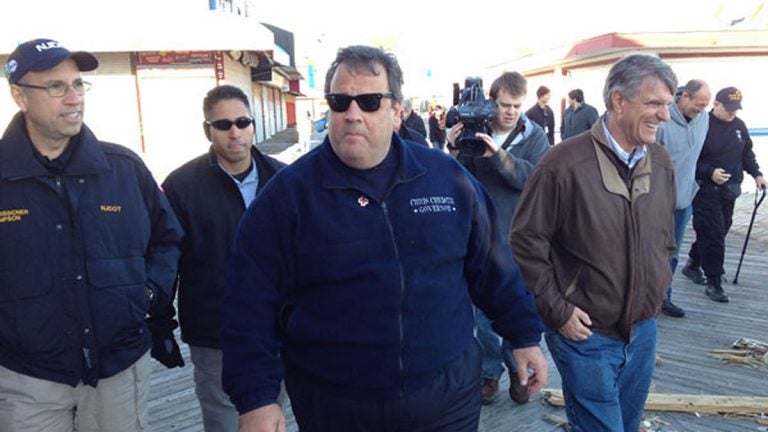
column 265, row 167
column 17, row 159
column 609, row 171
column 334, row 171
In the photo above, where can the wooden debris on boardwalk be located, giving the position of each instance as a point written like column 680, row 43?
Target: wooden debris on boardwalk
column 746, row 351
column 687, row 403
column 556, row 420
column 653, row 424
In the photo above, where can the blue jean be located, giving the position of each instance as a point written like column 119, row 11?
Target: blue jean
column 605, row 380
column 494, row 351
column 682, row 217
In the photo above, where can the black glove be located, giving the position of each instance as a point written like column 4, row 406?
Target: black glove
column 164, row 346
column 166, row 350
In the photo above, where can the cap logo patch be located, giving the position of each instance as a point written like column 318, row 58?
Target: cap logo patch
column 10, row 68
column 47, row 45
column 735, row 97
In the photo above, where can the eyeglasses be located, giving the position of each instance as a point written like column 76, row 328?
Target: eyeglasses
column 368, row 102
column 59, row 89
column 226, row 124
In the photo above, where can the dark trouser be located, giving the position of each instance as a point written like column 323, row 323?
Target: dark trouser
column 712, row 218
column 449, row 403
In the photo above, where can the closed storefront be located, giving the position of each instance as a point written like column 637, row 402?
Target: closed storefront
column 171, row 88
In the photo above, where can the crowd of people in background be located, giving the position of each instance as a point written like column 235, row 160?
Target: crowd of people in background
column 578, row 117
column 383, row 281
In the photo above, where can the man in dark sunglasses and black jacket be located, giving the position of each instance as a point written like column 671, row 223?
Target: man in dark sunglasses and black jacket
column 210, row 194
column 354, row 273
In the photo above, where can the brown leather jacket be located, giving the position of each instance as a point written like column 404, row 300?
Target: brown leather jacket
column 588, row 233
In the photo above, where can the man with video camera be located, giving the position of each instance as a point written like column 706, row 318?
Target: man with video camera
column 502, row 158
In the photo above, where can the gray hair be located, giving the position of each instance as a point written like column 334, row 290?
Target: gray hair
column 692, row 87
column 366, row 58
column 628, row 74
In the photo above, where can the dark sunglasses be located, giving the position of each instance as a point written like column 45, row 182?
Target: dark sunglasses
column 368, row 102
column 225, row 124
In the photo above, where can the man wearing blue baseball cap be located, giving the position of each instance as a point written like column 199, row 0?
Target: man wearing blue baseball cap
column 87, row 261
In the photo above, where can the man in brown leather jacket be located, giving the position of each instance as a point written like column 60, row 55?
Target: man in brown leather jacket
column 594, row 234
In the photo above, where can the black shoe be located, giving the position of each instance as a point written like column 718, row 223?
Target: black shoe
column 517, row 392
column 489, row 387
column 715, row 292
column 669, row 309
column 694, row 273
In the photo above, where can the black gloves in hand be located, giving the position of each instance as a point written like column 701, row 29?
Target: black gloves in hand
column 164, row 346
column 166, row 350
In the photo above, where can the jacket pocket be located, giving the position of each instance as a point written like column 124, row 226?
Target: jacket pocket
column 31, row 317
column 573, row 285
column 119, row 298
column 24, row 284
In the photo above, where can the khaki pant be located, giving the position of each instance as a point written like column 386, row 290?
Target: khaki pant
column 118, row 403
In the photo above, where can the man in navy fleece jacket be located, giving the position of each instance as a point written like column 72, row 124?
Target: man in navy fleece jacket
column 354, row 273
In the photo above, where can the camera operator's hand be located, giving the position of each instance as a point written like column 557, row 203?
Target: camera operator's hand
column 454, row 132
column 451, row 139
column 490, row 145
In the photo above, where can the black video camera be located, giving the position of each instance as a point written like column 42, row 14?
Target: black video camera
column 475, row 112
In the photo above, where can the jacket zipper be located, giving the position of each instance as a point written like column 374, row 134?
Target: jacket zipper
column 402, row 295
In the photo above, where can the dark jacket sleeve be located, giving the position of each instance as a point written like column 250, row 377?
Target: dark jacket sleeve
column 495, row 282
column 592, row 116
column 252, row 370
column 416, row 123
column 748, row 160
column 434, row 129
column 704, row 171
column 551, row 126
column 563, row 134
column 164, row 248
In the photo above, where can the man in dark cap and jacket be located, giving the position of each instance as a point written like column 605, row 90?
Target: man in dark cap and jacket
column 89, row 249
column 727, row 153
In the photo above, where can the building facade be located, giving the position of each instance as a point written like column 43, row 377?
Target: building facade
column 148, row 90
column 723, row 58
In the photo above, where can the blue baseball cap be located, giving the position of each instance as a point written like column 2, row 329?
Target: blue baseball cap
column 43, row 54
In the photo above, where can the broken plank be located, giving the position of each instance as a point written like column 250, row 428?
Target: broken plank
column 688, row 403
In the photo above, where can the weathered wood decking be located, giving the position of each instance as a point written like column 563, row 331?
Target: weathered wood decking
column 682, row 346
